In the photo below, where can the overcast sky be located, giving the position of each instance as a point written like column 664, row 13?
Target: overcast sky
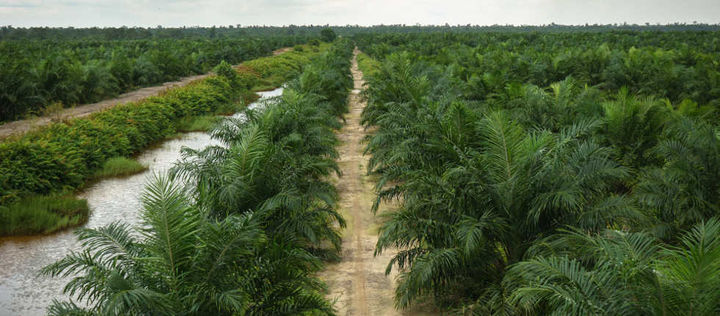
column 84, row 13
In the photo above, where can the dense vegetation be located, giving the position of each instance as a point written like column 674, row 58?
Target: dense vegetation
column 235, row 229
column 37, row 73
column 62, row 156
column 572, row 173
column 564, row 170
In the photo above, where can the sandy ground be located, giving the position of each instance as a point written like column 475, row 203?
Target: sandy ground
column 282, row 50
column 358, row 283
column 22, row 126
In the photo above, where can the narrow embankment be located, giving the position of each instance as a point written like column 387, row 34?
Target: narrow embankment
column 23, row 126
column 358, row 282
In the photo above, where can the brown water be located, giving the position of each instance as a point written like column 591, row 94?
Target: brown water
column 22, row 291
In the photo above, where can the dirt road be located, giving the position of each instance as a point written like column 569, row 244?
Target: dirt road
column 358, row 281
column 22, row 126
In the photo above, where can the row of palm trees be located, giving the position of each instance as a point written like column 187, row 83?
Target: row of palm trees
column 34, row 74
column 237, row 228
column 566, row 200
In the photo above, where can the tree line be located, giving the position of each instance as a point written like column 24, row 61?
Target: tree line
column 37, row 73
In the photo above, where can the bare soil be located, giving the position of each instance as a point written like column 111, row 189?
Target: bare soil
column 282, row 50
column 358, row 283
column 23, row 126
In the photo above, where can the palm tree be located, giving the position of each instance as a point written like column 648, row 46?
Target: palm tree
column 244, row 235
column 615, row 273
column 632, row 127
column 276, row 164
column 477, row 189
column 179, row 263
column 684, row 190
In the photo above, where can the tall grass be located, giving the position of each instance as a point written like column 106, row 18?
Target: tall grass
column 119, row 167
column 197, row 124
column 42, row 215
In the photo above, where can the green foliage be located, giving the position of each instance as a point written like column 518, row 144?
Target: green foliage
column 119, row 167
column 278, row 69
column 620, row 273
column 225, row 70
column 36, row 73
column 245, row 235
column 327, row 35
column 203, row 123
column 497, row 145
column 181, row 263
column 367, row 64
column 42, row 215
column 60, row 157
column 684, row 190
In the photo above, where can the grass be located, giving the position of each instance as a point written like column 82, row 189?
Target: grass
column 197, row 124
column 42, row 215
column 119, row 167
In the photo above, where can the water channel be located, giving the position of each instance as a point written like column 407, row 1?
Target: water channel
column 22, row 291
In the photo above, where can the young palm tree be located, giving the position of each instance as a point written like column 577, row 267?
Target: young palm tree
column 244, row 235
column 620, row 273
column 177, row 263
column 684, row 190
column 477, row 189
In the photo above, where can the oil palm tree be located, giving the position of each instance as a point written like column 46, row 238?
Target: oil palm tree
column 620, row 273
column 179, row 263
column 684, row 189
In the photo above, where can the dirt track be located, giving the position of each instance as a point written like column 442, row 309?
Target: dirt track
column 358, row 281
column 22, row 126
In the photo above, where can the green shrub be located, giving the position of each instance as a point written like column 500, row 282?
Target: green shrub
column 277, row 69
column 60, row 156
column 328, row 35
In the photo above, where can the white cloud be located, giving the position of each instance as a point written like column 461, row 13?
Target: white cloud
column 82, row 13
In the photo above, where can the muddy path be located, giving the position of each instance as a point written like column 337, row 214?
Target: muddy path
column 23, row 126
column 358, row 283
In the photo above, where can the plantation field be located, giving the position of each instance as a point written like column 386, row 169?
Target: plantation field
column 56, row 159
column 35, row 73
column 548, row 173
column 239, row 227
column 556, row 170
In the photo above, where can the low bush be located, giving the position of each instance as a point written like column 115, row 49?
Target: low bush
column 61, row 156
column 275, row 70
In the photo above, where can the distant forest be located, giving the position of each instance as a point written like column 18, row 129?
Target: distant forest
column 236, row 31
